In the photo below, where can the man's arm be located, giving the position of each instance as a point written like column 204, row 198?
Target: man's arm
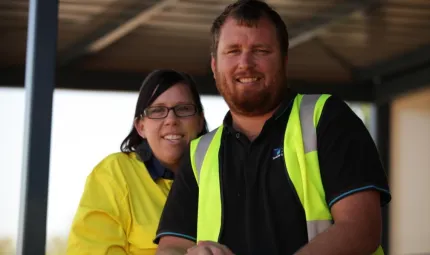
column 354, row 181
column 356, row 230
column 177, row 230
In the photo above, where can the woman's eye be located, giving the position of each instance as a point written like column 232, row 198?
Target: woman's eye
column 157, row 110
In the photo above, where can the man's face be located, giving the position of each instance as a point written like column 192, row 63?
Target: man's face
column 249, row 68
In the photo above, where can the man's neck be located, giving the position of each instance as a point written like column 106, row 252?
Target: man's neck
column 250, row 126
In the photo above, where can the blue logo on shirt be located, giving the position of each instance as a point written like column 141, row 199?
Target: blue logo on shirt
column 277, row 152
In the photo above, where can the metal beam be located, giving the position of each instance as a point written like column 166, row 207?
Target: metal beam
column 79, row 79
column 400, row 74
column 127, row 81
column 403, row 82
column 39, row 86
column 139, row 12
column 320, row 21
column 412, row 59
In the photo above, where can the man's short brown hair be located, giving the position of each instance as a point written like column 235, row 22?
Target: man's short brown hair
column 248, row 13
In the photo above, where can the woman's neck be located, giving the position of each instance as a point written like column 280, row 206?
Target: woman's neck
column 171, row 167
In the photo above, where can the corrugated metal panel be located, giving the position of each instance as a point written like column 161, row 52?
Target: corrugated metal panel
column 178, row 35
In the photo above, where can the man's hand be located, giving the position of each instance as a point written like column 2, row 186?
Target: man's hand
column 209, row 248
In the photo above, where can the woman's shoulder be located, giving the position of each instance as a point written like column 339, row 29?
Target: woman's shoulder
column 114, row 164
column 116, row 157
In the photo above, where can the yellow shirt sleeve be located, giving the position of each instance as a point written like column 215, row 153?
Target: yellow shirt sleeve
column 102, row 219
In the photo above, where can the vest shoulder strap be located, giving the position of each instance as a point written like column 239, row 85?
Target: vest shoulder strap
column 199, row 148
column 301, row 156
column 205, row 164
column 310, row 109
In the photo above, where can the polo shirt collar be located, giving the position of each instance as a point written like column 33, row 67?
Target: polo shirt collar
column 284, row 106
column 154, row 166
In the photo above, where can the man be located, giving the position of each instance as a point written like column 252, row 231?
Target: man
column 257, row 186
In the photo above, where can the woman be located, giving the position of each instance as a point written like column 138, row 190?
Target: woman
column 124, row 195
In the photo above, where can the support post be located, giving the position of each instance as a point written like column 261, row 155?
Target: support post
column 39, row 87
column 383, row 143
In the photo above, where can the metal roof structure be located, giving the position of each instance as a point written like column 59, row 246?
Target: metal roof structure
column 361, row 50
column 345, row 47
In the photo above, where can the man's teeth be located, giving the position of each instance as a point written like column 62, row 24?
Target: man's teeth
column 246, row 80
column 172, row 137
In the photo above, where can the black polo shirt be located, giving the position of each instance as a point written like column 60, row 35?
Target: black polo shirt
column 262, row 213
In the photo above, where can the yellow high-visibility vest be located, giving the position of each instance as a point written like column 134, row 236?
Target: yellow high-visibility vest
column 301, row 159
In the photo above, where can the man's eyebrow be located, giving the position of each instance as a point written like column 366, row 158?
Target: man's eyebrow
column 258, row 45
column 261, row 45
column 234, row 45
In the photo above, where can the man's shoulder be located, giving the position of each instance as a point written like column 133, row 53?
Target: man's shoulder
column 331, row 100
column 331, row 105
column 338, row 117
column 334, row 102
column 336, row 107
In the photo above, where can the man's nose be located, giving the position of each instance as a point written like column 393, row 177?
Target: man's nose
column 246, row 61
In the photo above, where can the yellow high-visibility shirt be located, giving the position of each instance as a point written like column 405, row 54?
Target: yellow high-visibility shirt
column 119, row 210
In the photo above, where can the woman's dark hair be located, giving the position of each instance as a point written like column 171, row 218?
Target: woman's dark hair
column 156, row 83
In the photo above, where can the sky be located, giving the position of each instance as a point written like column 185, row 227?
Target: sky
column 86, row 127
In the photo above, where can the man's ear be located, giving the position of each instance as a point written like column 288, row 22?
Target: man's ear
column 138, row 125
column 213, row 65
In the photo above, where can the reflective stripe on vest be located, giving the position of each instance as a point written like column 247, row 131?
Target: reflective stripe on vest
column 209, row 204
column 301, row 159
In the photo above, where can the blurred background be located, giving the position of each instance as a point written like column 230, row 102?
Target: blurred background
column 375, row 54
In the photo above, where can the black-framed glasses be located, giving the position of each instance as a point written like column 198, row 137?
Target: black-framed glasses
column 161, row 112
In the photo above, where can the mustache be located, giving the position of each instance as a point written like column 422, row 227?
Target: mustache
column 248, row 74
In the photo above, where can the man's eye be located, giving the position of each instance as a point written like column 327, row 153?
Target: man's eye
column 232, row 51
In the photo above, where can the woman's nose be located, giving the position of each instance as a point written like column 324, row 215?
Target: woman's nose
column 171, row 117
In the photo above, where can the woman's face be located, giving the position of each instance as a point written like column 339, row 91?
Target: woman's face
column 168, row 136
